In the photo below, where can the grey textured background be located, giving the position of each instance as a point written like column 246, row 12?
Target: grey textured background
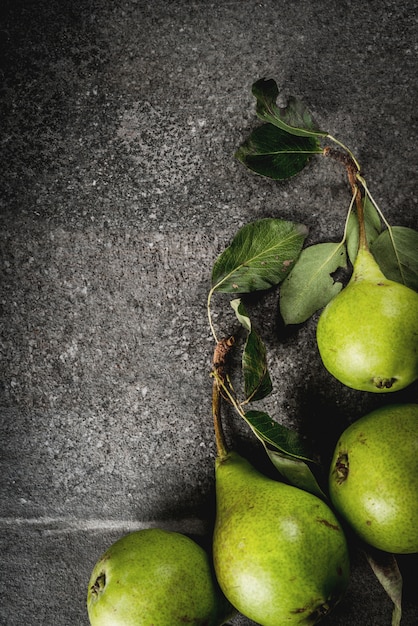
column 119, row 121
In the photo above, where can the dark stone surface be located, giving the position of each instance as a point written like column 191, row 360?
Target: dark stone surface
column 119, row 188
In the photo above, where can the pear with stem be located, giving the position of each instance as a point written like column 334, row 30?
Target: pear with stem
column 367, row 335
column 280, row 554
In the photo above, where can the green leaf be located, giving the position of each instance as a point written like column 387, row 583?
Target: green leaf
column 280, row 437
column 289, row 454
column 257, row 381
column 372, row 224
column 295, row 118
column 259, row 257
column 398, row 256
column 274, row 153
column 296, row 472
column 387, row 572
column 282, row 147
column 310, row 285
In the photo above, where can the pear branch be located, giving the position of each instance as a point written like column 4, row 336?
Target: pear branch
column 220, row 356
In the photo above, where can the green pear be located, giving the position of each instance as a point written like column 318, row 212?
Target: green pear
column 155, row 576
column 367, row 335
column 280, row 555
column 373, row 479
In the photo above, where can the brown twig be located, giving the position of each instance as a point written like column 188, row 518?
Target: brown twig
column 352, row 172
column 220, row 356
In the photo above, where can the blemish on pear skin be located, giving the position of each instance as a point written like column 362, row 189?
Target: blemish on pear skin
column 98, row 584
column 328, row 524
column 342, row 468
column 383, row 383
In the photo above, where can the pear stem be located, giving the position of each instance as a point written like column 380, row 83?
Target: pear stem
column 220, row 355
column 353, row 171
column 362, row 238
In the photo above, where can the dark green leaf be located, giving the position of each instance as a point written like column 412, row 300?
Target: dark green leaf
column 285, row 450
column 257, row 381
column 280, row 437
column 256, row 377
column 372, row 224
column 259, row 257
column 295, row 118
column 398, row 256
column 310, row 285
column 272, row 152
column 387, row 572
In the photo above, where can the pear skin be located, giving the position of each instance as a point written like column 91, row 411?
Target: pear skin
column 280, row 555
column 373, row 480
column 367, row 335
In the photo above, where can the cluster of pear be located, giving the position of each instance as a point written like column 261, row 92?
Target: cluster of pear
column 280, row 554
column 367, row 338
